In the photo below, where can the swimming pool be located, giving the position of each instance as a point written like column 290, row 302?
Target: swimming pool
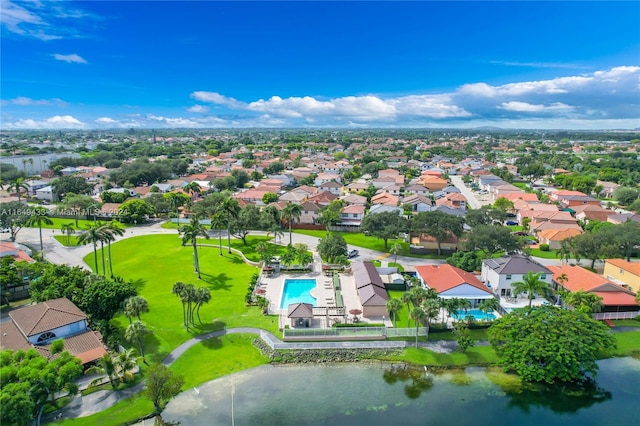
column 297, row 291
column 476, row 313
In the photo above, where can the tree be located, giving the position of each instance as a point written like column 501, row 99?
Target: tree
column 203, row 295
column 269, row 197
column 111, row 230
column 104, row 365
column 491, row 239
column 583, row 301
column 13, row 216
column 39, row 216
column 229, row 209
column 290, row 213
column 624, row 238
column 463, row 336
column 385, row 225
column 465, row 260
column 485, row 215
column 77, row 203
column 332, row 248
column 395, row 250
column 29, row 381
column 135, row 306
column 625, row 195
column 503, row 204
column 489, row 305
column 161, row 385
column 176, row 200
column 70, row 184
column 179, row 289
column 437, row 224
column 135, row 211
column 418, row 316
column 530, row 284
column 247, row 220
column 218, row 222
column 102, row 298
column 302, row 254
column 407, row 298
column 328, row 217
column 394, row 306
column 265, row 251
column 125, row 361
column 190, row 233
column 18, row 186
column 135, row 333
column 431, row 308
column 67, row 228
column 192, row 188
column 93, row 234
column 547, row 344
column 592, row 246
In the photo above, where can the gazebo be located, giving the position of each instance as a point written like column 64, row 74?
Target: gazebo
column 300, row 314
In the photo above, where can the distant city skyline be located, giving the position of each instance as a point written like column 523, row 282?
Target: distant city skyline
column 209, row 64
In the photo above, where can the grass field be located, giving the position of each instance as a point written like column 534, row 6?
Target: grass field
column 62, row 239
column 82, row 223
column 154, row 263
column 551, row 254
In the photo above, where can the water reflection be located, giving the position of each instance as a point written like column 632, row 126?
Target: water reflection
column 420, row 379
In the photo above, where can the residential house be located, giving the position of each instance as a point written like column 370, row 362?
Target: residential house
column 500, row 274
column 323, row 198
column 326, row 177
column 587, row 212
column 352, row 215
column 371, row 290
column 357, row 186
column 615, row 298
column 554, row 237
column 426, row 244
column 384, row 208
column 333, row 187
column 418, row 203
column 624, row 273
column 608, row 188
column 354, row 199
column 309, row 213
column 432, row 183
column 37, row 326
column 445, row 191
column 8, row 248
column 385, row 198
column 34, row 185
column 618, row 219
column 45, row 193
column 451, row 282
column 416, row 189
column 455, row 201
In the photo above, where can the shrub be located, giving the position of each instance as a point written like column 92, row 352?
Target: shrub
column 544, row 247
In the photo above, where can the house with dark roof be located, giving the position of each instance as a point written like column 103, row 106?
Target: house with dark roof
column 499, row 274
column 451, row 282
column 37, row 326
column 371, row 290
column 616, row 299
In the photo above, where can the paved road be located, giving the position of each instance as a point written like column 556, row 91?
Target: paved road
column 472, row 200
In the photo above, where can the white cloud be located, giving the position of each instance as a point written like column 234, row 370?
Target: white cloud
column 24, row 101
column 218, row 99
column 72, row 58
column 106, row 120
column 198, row 109
column 525, row 107
column 55, row 122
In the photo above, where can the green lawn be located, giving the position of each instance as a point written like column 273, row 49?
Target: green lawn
column 82, row 223
column 360, row 240
column 62, row 239
column 403, row 315
column 121, row 413
column 224, row 355
column 155, row 262
column 551, row 254
column 477, row 355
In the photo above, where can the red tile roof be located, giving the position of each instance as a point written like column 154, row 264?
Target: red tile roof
column 45, row 316
column 445, row 277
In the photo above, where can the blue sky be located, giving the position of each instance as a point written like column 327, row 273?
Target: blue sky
column 122, row 64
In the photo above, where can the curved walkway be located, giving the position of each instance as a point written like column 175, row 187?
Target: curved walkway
column 82, row 406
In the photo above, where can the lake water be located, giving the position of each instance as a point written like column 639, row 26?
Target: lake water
column 384, row 394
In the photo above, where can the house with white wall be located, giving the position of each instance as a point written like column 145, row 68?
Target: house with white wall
column 500, row 274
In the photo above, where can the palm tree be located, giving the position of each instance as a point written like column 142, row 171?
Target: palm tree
column 489, row 305
column 277, row 232
column 40, row 216
column 67, row 228
column 531, row 284
column 418, row 315
column 135, row 306
column 18, row 185
column 92, row 235
column 407, row 298
column 203, row 296
column 290, row 213
column 229, row 210
column 179, row 290
column 394, row 306
column 112, row 229
column 395, row 250
column 431, row 308
column 104, row 365
column 584, row 301
column 191, row 294
column 218, row 222
column 192, row 188
column 191, row 232
column 176, row 200
column 125, row 361
column 135, row 333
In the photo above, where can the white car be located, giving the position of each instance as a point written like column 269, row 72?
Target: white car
column 5, row 230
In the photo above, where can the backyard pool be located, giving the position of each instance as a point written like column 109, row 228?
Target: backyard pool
column 477, row 314
column 297, row 291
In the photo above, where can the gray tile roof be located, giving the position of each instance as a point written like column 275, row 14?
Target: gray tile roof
column 515, row 264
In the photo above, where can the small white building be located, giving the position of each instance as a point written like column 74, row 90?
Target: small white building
column 45, row 193
column 500, row 274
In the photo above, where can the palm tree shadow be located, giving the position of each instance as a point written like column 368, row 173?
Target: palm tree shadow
column 217, row 282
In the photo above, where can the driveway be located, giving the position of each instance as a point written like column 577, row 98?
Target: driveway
column 472, row 200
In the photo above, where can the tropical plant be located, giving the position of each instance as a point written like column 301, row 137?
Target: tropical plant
column 92, row 234
column 135, row 306
column 67, row 228
column 39, row 216
column 407, row 298
column 18, row 186
column 218, row 222
column 111, row 230
column 176, row 200
column 192, row 188
column 190, row 233
column 489, row 305
column 395, row 250
column 229, row 208
column 290, row 213
column 203, row 295
column 125, row 361
column 161, row 385
column 531, row 284
column 394, row 306
column 584, row 301
column 135, row 333
column 179, row 290
column 463, row 336
column 418, row 314
column 104, row 365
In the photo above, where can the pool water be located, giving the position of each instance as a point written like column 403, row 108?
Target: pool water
column 297, row 291
column 476, row 313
